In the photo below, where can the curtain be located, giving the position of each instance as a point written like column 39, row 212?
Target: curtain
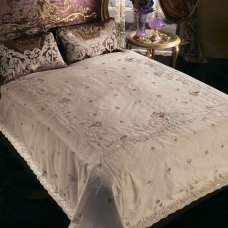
column 117, row 10
column 177, row 10
column 184, row 12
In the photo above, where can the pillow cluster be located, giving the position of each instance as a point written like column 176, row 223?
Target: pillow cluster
column 40, row 52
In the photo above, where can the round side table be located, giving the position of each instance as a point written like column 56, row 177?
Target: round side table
column 166, row 40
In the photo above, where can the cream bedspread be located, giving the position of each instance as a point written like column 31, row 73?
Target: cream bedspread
column 119, row 140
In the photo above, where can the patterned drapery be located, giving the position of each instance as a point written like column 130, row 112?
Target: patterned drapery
column 117, row 10
column 189, row 33
column 185, row 13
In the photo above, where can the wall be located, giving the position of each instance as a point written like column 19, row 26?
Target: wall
column 213, row 28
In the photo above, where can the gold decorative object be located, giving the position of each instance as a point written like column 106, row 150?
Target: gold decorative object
column 159, row 37
column 140, row 38
column 150, row 43
column 155, row 36
column 167, row 40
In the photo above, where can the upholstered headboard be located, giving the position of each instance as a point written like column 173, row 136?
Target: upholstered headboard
column 22, row 17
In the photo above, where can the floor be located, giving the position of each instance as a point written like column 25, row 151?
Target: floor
column 25, row 204
column 23, row 201
column 213, row 73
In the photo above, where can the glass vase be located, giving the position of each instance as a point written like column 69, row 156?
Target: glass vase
column 140, row 26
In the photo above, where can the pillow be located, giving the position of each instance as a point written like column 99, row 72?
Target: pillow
column 19, row 18
column 88, row 40
column 26, row 55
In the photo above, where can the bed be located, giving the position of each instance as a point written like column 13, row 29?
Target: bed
column 117, row 139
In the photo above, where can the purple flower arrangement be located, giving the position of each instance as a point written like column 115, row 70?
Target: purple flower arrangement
column 143, row 6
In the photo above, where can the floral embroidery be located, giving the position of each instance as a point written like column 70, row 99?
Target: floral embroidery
column 159, row 122
column 194, row 93
column 163, row 121
column 168, row 170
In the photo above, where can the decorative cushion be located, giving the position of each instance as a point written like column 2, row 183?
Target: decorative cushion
column 26, row 17
column 88, row 40
column 26, row 55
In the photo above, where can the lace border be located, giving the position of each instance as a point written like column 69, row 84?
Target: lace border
column 193, row 195
column 23, row 152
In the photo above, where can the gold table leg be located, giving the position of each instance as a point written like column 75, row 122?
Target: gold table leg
column 174, row 55
column 150, row 53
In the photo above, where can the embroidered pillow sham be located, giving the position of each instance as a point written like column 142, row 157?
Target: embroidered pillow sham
column 19, row 18
column 88, row 40
column 22, row 56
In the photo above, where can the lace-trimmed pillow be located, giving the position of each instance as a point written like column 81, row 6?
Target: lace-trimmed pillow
column 84, row 41
column 22, row 56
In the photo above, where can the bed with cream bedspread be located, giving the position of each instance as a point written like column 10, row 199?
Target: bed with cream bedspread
column 119, row 140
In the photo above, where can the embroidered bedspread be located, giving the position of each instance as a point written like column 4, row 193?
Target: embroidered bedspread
column 119, row 140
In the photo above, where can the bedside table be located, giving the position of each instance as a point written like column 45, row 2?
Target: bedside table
column 168, row 40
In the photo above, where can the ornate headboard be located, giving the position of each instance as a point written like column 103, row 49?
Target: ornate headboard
column 22, row 17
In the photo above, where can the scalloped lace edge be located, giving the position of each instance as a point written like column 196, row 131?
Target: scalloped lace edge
column 23, row 152
column 193, row 195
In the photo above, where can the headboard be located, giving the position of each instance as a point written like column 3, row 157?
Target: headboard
column 22, row 17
